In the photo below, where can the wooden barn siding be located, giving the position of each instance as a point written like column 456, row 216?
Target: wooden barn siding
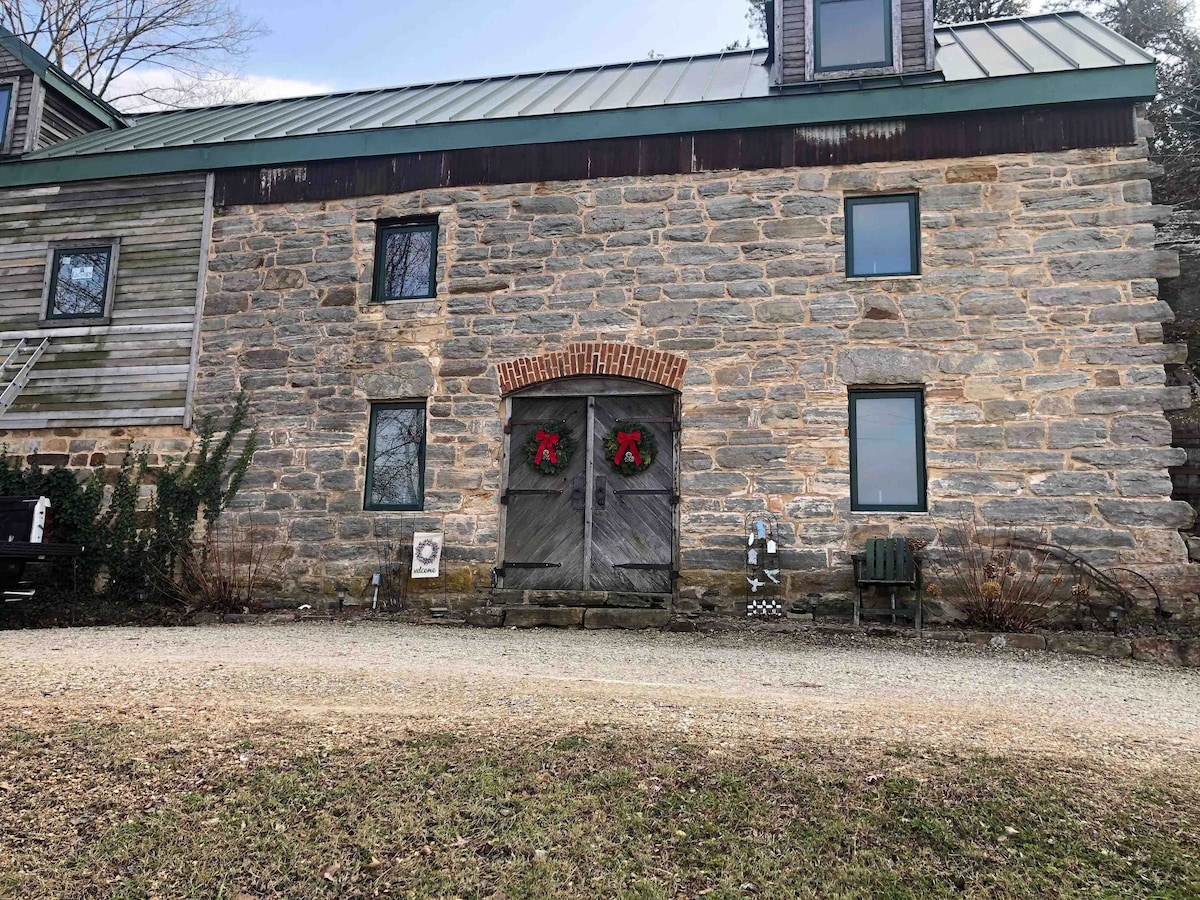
column 62, row 121
column 912, row 35
column 793, row 48
column 979, row 134
column 136, row 369
column 11, row 67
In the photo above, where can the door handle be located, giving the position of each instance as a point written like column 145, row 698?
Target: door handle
column 601, row 494
column 579, row 492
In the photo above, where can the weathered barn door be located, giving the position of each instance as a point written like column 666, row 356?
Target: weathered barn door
column 544, row 532
column 633, row 516
column 589, row 526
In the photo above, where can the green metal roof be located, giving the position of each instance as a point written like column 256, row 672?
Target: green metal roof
column 61, row 81
column 1035, row 60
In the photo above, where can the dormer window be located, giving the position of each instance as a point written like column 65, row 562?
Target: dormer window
column 8, row 109
column 852, row 34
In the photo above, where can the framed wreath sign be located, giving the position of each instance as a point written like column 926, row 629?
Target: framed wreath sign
column 548, row 448
column 630, row 447
column 427, row 554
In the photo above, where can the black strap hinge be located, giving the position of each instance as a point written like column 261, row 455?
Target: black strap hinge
column 508, row 426
column 507, row 494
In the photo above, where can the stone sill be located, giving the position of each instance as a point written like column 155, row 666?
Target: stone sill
column 884, row 277
column 890, row 515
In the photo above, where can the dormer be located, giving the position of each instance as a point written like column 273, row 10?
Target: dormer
column 41, row 105
column 830, row 40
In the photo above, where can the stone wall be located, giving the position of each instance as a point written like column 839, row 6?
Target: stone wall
column 1035, row 329
column 90, row 448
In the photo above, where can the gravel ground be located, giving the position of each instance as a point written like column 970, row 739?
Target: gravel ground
column 725, row 687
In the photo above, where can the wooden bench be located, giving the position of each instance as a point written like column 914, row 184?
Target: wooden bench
column 891, row 564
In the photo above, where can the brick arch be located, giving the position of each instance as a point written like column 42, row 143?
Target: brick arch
column 621, row 360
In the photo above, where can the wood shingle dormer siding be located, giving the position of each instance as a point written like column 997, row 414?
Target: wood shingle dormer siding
column 916, row 35
column 60, row 120
column 911, row 40
column 14, row 72
column 792, row 42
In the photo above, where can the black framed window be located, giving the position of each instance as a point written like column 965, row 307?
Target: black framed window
column 883, row 236
column 852, row 34
column 81, row 282
column 396, row 457
column 406, row 262
column 887, row 451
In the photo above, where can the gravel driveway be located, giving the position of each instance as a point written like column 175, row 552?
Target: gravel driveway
column 731, row 687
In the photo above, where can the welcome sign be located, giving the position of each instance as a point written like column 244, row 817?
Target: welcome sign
column 427, row 554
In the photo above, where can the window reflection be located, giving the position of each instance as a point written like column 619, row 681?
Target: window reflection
column 853, row 34
column 407, row 259
column 395, row 469
column 79, row 285
column 888, row 451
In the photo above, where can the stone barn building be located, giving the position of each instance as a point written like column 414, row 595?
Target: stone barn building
column 878, row 277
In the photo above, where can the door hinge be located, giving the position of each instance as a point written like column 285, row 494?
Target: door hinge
column 520, row 565
column 508, row 426
column 665, row 493
column 507, row 494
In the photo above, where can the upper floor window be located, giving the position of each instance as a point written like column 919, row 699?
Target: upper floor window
column 852, row 34
column 6, row 107
column 80, row 281
column 887, row 451
column 406, row 262
column 396, row 457
column 883, row 236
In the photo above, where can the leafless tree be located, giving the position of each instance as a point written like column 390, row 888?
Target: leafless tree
column 947, row 11
column 396, row 463
column 407, row 258
column 101, row 43
column 756, row 15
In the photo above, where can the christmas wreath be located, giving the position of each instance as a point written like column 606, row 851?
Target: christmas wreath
column 548, row 448
column 630, row 447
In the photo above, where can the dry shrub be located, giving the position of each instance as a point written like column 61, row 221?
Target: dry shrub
column 996, row 585
column 231, row 569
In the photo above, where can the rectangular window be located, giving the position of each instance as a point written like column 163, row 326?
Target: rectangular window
column 887, row 451
column 6, row 95
column 852, row 34
column 883, row 236
column 396, row 457
column 81, row 282
column 406, row 262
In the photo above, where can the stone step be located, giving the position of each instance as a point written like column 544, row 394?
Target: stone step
column 569, row 617
column 582, row 599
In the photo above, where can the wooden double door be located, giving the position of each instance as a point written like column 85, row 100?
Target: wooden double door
column 590, row 527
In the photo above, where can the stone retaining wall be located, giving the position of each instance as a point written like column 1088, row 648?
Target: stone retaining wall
column 1035, row 330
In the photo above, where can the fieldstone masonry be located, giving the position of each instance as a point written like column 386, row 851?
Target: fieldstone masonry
column 1035, row 329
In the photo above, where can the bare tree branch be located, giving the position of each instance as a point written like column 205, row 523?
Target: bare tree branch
column 100, row 43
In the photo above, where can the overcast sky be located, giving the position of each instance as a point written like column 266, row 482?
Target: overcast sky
column 338, row 44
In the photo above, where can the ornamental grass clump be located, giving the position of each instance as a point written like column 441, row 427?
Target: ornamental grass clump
column 995, row 584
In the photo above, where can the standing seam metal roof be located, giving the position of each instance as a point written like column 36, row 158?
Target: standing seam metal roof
column 1033, row 45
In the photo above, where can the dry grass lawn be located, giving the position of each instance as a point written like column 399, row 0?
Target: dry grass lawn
column 196, row 793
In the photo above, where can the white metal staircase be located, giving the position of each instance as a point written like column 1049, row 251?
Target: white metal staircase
column 16, row 369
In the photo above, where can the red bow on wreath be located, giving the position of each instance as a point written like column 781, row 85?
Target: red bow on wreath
column 546, row 444
column 627, row 443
